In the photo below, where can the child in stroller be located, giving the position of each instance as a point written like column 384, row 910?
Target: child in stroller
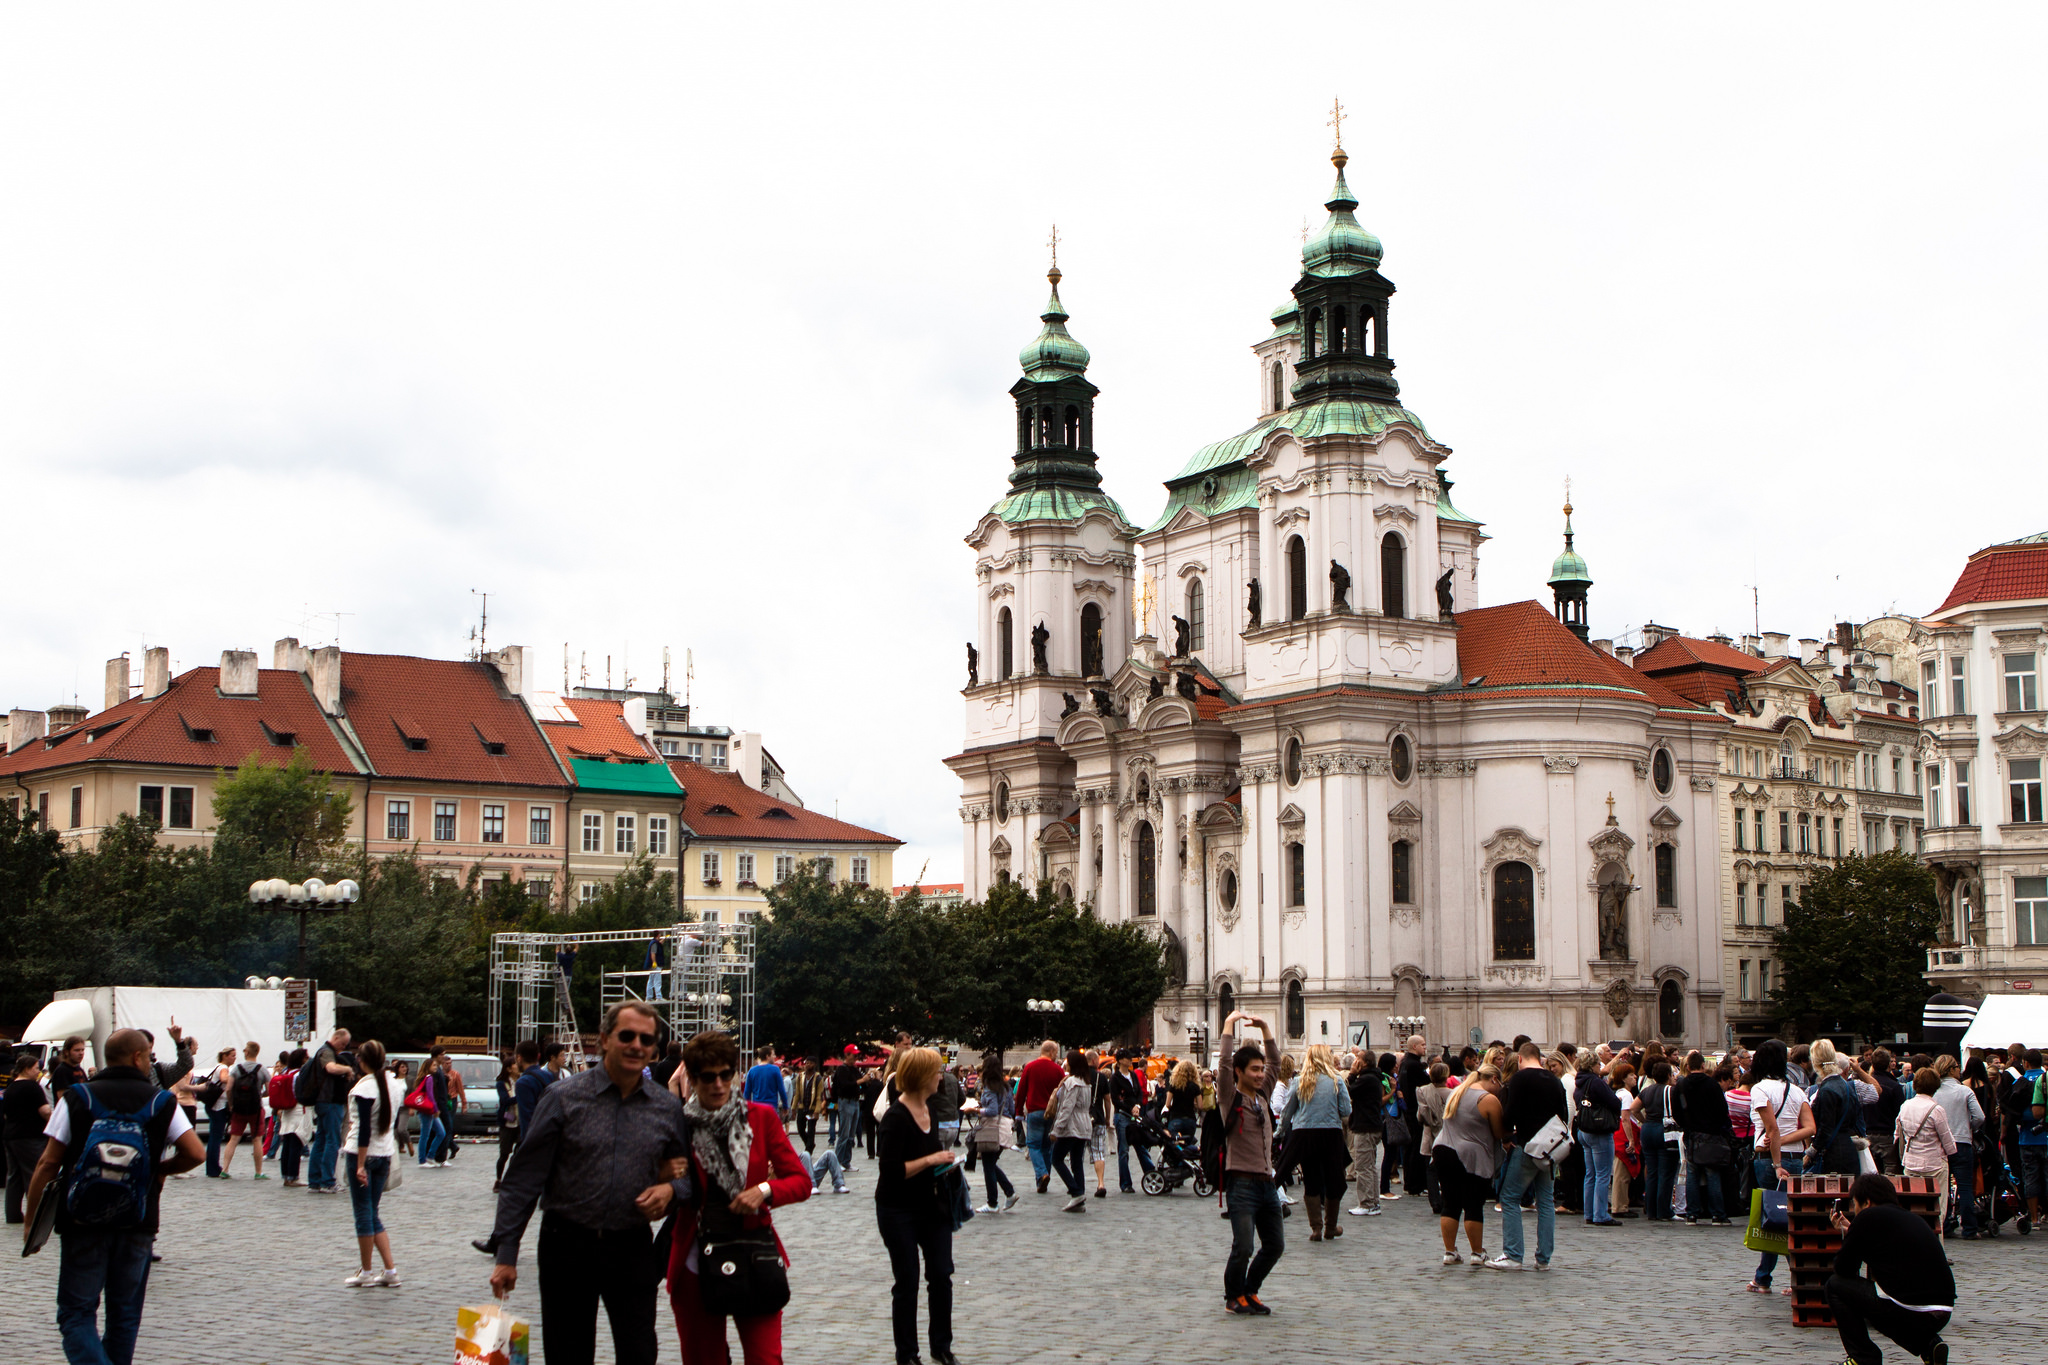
column 1176, row 1164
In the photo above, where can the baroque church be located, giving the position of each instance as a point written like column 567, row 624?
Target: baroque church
column 1295, row 746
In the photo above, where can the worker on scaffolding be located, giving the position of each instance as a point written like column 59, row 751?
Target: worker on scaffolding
column 656, row 967
column 565, row 963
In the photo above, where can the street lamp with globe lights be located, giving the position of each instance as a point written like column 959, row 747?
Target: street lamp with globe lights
column 1045, row 1011
column 302, row 899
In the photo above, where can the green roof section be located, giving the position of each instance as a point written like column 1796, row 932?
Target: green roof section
column 1446, row 512
column 1342, row 247
column 1054, row 354
column 639, row 779
column 1055, row 504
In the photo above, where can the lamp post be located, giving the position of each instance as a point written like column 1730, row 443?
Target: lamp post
column 1404, row 1026
column 1046, row 1012
column 302, row 899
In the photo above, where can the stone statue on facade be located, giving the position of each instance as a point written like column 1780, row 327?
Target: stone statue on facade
column 973, row 665
column 1158, row 687
column 1039, row 636
column 1184, row 683
column 1445, row 605
column 1181, row 635
column 1251, row 603
column 1072, row 705
column 1105, row 705
column 1340, row 587
column 1614, row 919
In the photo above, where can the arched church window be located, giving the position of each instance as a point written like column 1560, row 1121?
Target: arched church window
column 1660, row 770
column 1005, row 661
column 1002, row 803
column 1197, row 635
column 1297, row 579
column 1340, row 341
column 1312, row 334
column 1514, row 912
column 1148, row 872
column 1393, row 576
column 1402, row 866
column 1297, row 874
column 1071, row 433
column 1400, row 758
column 1091, row 641
column 1297, row 1009
column 1671, row 1010
column 1278, row 375
column 1293, row 763
column 1023, row 428
column 1045, row 426
column 1365, row 329
column 1226, row 1005
column 1667, row 876
column 1226, row 888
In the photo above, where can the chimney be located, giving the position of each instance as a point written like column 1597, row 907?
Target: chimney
column 324, row 671
column 156, row 672
column 1776, row 643
column 64, row 715
column 288, row 655
column 1654, row 634
column 511, row 665
column 634, row 713
column 1808, row 650
column 23, row 726
column 1604, row 646
column 1722, row 640
column 1845, row 634
column 749, row 759
column 1626, row 654
column 1753, row 644
column 238, row 673
column 117, row 681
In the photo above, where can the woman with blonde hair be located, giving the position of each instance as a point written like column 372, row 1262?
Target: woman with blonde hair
column 1463, row 1160
column 914, row 1221
column 1316, row 1113
column 1178, row 1101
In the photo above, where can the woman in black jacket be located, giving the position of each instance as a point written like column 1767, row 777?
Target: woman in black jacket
column 1367, row 1086
column 1599, row 1107
column 1700, row 1108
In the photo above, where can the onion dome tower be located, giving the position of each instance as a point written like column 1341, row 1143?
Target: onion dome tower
column 1342, row 298
column 1569, row 580
column 1055, row 409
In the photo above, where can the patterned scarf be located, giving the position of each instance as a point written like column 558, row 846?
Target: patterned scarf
column 722, row 1142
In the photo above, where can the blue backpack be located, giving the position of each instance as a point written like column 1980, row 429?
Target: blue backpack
column 113, row 1179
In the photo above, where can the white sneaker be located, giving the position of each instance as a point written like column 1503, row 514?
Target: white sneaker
column 1503, row 1263
column 1453, row 1258
column 364, row 1279
column 1010, row 1203
column 1478, row 1259
column 1372, row 1213
column 988, row 1208
column 1078, row 1204
column 1358, row 1212
column 389, row 1278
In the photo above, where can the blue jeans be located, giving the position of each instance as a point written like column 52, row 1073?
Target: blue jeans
column 431, row 1133
column 1123, row 1152
column 1034, row 1144
column 1704, row 1196
column 365, row 1198
column 1254, row 1208
column 849, row 1130
column 1599, row 1156
column 216, row 1134
column 1069, row 1158
column 113, row 1264
column 1660, row 1168
column 326, row 1145
column 1767, row 1179
column 993, row 1175
column 1963, row 1166
column 828, row 1164
column 1522, row 1174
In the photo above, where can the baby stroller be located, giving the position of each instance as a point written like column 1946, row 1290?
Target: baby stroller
column 1175, row 1165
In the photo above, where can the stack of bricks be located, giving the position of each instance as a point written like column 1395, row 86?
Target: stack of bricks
column 1815, row 1242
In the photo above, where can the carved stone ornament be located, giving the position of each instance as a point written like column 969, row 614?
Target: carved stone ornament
column 1405, row 915
column 2021, row 741
column 1192, row 566
column 1617, row 998
column 1282, row 520
column 1666, row 919
column 1512, row 845
column 1610, row 845
column 1642, row 767
column 1291, row 817
column 1227, row 915
column 1448, row 767
column 1561, row 764
column 1088, row 585
column 1517, row 975
column 1703, row 784
column 1002, row 590
column 1394, row 512
column 1295, row 917
column 1253, row 774
column 1405, row 816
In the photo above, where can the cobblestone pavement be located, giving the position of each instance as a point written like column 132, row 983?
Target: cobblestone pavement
column 261, row 1267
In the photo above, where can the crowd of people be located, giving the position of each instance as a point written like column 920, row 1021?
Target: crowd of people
column 663, row 1163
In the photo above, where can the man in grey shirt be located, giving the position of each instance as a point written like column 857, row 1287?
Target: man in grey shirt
column 605, row 1150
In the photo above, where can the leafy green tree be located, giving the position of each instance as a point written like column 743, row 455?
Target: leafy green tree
column 828, row 966
column 640, row 897
column 1853, row 951
column 410, row 951
column 33, row 945
column 292, row 818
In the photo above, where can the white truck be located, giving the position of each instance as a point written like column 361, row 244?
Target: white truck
column 212, row 1016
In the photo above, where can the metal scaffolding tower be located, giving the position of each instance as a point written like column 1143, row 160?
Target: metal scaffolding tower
column 707, row 984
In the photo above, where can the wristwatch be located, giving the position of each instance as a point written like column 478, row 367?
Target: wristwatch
column 766, row 1193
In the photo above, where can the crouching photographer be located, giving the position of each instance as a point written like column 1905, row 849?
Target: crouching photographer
column 1910, row 1291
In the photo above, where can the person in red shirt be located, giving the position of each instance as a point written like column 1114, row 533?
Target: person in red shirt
column 1041, row 1076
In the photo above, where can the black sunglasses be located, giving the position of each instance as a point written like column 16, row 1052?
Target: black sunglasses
column 631, row 1036
column 712, row 1077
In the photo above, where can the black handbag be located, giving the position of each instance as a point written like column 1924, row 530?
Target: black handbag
column 1710, row 1149
column 741, row 1276
column 1597, row 1120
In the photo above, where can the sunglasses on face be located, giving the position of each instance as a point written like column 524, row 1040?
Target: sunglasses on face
column 712, row 1077
column 628, row 1037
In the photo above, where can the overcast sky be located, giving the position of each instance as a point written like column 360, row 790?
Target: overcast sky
column 695, row 329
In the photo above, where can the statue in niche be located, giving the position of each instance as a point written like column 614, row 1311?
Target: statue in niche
column 1251, row 603
column 973, row 665
column 1614, row 893
column 1105, row 705
column 1039, row 636
column 1444, row 604
column 1072, row 705
column 1184, row 683
column 1340, row 587
column 1181, row 630
column 1158, row 688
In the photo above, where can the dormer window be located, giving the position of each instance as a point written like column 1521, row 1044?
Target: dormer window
column 493, row 745
column 198, row 734
column 777, row 813
column 411, row 731
column 720, row 809
column 283, row 739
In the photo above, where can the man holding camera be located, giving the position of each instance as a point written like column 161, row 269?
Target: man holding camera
column 1910, row 1292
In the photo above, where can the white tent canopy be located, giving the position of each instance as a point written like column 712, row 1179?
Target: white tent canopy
column 2004, row 1019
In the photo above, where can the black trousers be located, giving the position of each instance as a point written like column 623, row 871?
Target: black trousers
column 807, row 1131
column 1414, row 1165
column 1857, row 1309
column 508, row 1143
column 579, row 1268
column 907, row 1238
column 22, row 1156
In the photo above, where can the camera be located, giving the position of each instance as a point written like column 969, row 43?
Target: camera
column 1841, row 1206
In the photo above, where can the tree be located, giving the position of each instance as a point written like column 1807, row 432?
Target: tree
column 640, row 897
column 1853, row 951
column 828, row 966
column 411, row 951
column 292, row 817
column 33, row 863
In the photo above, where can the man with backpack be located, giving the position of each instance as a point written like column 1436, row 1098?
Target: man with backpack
column 101, row 1161
column 247, row 1080
column 1243, row 1155
column 2030, row 1113
column 323, row 1082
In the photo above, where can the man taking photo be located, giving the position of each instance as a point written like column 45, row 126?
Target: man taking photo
column 1910, row 1292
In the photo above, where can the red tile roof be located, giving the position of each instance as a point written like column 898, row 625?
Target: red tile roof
column 756, row 817
column 600, row 732
column 159, row 731
column 1521, row 646
column 1680, row 651
column 458, row 706
column 2001, row 573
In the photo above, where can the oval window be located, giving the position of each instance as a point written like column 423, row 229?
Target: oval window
column 1226, row 890
column 1002, row 803
column 1660, row 770
column 1402, row 760
column 1293, row 762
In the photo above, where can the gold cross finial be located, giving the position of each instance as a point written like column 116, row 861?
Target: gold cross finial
column 1567, row 495
column 1053, row 243
column 1304, row 232
column 1337, row 122
column 1610, row 805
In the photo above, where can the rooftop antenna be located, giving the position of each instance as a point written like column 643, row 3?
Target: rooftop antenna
column 607, row 672
column 565, row 668
column 626, row 669
column 583, row 669
column 664, row 671
column 689, row 675
column 480, row 633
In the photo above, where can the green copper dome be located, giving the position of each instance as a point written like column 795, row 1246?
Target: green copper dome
column 1054, row 354
column 1569, row 567
column 1342, row 247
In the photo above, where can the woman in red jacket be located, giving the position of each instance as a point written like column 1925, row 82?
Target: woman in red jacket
column 742, row 1165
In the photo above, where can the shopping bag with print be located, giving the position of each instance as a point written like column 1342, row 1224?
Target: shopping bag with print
column 488, row 1335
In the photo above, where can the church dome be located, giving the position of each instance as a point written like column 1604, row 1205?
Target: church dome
column 1342, row 247
column 1054, row 354
column 1569, row 567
